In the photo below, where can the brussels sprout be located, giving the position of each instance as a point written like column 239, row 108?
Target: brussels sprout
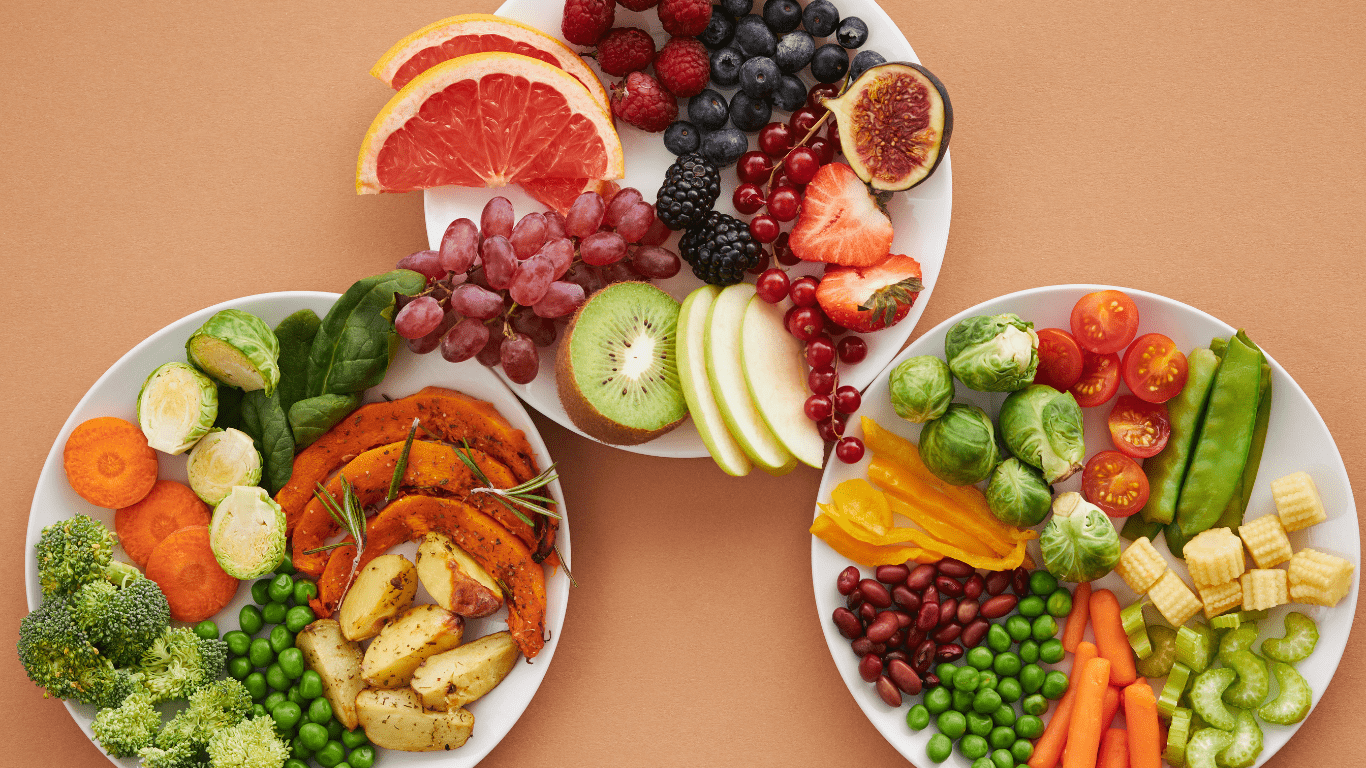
column 176, row 406
column 922, row 388
column 220, row 460
column 998, row 353
column 1079, row 543
column 1043, row 428
column 1017, row 494
column 247, row 533
column 237, row 348
column 960, row 446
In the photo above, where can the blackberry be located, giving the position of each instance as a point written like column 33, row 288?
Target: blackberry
column 719, row 249
column 691, row 186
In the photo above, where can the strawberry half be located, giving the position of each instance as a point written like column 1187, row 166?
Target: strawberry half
column 865, row 299
column 840, row 222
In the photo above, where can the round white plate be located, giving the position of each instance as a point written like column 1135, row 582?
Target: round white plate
column 1297, row 439
column 920, row 215
column 115, row 394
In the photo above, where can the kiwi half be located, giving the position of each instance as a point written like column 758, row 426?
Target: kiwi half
column 617, row 370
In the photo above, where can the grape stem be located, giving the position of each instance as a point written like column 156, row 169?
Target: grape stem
column 814, row 129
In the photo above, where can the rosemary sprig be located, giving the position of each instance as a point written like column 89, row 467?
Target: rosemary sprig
column 519, row 498
column 350, row 515
column 565, row 565
column 402, row 466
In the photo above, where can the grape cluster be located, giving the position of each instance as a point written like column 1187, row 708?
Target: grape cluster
column 496, row 290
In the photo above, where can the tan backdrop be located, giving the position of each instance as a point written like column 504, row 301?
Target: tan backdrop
column 162, row 157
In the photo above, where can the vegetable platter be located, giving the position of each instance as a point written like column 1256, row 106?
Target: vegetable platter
column 1297, row 440
column 920, row 216
column 116, row 394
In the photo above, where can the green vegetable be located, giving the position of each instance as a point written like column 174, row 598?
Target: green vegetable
column 1167, row 469
column 1009, row 689
column 1253, row 681
column 249, row 744
column 330, row 755
column 1079, row 543
column 237, row 348
column 260, row 591
column 320, row 711
column 1021, row 750
column 219, row 705
column 1292, row 704
column 1004, row 714
column 250, row 619
column 1195, row 646
column 176, row 406
column 1018, row 627
column 986, row 701
column 1247, row 742
column 1232, row 516
column 1177, row 732
column 1059, row 603
column 1031, row 677
column 1054, row 685
column 1240, row 639
column 312, row 417
column 1045, row 627
column 353, row 739
column 239, row 667
column 1205, row 745
column 295, row 334
column 1135, row 528
column 1029, row 651
column 1043, row 428
column 952, row 724
column 127, row 728
column 1206, row 697
column 993, row 353
column 1017, row 494
column 987, row 679
column 260, row 653
column 997, row 639
column 220, row 461
column 291, row 661
column 1301, row 635
column 304, row 590
column 274, row 613
column 1031, row 607
column 946, row 671
column 979, row 658
column 298, row 617
column 74, row 552
column 960, row 446
column 962, row 700
column 922, row 388
column 265, row 421
column 281, row 588
column 206, row 629
column 274, row 699
column 356, row 340
column 1158, row 663
column 362, row 756
column 123, row 616
column 313, row 736
column 937, row 700
column 286, row 715
column 1035, row 704
column 281, row 639
column 237, row 641
column 918, row 717
column 973, row 746
column 229, row 407
column 1001, row 738
column 1029, row 727
column 276, row 678
column 178, row 663
column 965, row 678
column 256, row 685
column 247, row 532
column 1007, row 664
column 1175, row 686
column 1042, row 583
column 1051, row 651
column 939, row 748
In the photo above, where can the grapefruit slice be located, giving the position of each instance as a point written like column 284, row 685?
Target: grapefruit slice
column 488, row 120
column 559, row 194
column 478, row 33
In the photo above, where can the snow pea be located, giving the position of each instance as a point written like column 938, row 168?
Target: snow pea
column 1205, row 697
column 1247, row 742
column 1167, row 469
column 1253, row 681
column 1301, row 635
column 1292, row 704
column 1205, row 745
column 1232, row 516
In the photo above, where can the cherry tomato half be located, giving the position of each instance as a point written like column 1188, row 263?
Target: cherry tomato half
column 1115, row 483
column 1099, row 379
column 1139, row 429
column 1154, row 369
column 1059, row 359
column 1105, row 321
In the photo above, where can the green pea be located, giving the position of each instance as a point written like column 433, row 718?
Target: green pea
column 1031, row 678
column 249, row 619
column 998, row 639
column 299, row 751
column 1042, row 582
column 946, row 672
column 330, row 755
column 980, row 724
column 291, row 661
column 986, row 701
column 973, row 746
column 1022, row 750
column 1004, row 715
column 362, row 756
column 298, row 617
column 1045, row 627
column 335, row 729
column 281, row 588
column 287, row 715
column 965, row 678
column 1031, row 606
column 260, row 592
column 304, row 590
column 1054, row 685
column 281, row 638
column 312, row 736
column 987, row 680
column 353, row 739
column 939, row 748
column 258, row 711
column 1001, row 737
column 256, row 685
column 1029, row 727
column 310, row 685
column 1034, row 704
column 274, row 613
column 1010, row 690
column 260, row 653
column 1029, row 651
column 1007, row 664
column 320, row 711
column 285, row 565
column 206, row 629
column 1059, row 603
column 1018, row 628
column 982, row 762
column 952, row 724
column 274, row 698
column 239, row 667
column 1001, row 757
column 293, row 695
column 1051, row 651
column 962, row 700
column 918, row 717
column 276, row 678
column 238, row 642
column 980, row 657
column 294, row 763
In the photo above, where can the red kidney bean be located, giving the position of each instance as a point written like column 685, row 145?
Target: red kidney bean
column 997, row 581
column 862, row 646
column 972, row 588
column 921, row 576
column 950, row 652
column 854, row 600
column 891, row 656
column 930, row 679
column 967, row 611
column 928, row 618
column 875, row 593
column 891, row 695
column 867, row 613
column 897, row 639
column 955, row 568
column 892, row 574
column 903, row 619
column 847, row 623
column 904, row 597
column 947, row 633
column 882, row 628
column 848, row 580
column 923, row 656
column 904, row 676
column 869, row 668
column 879, row 649
column 998, row 606
column 930, row 595
column 948, row 611
column 914, row 637
column 948, row 586
column 1019, row 581
column 974, row 632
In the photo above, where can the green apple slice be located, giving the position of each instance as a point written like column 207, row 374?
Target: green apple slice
column 776, row 376
column 727, row 375
column 692, row 372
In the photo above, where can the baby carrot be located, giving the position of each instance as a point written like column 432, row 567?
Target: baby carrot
column 1145, row 738
column 1083, row 733
column 1076, row 620
column 1109, row 707
column 1048, row 748
column 1114, row 749
column 1110, row 638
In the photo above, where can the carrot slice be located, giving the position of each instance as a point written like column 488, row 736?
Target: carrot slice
column 184, row 567
column 1110, row 638
column 169, row 507
column 1076, row 620
column 1083, row 733
column 1049, row 747
column 109, row 463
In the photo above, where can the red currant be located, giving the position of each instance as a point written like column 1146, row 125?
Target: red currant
column 801, row 164
column 805, row 323
column 764, row 228
column 832, row 135
column 783, row 180
column 852, row 349
column 821, row 380
column 822, row 92
column 820, row 351
column 783, row 203
column 849, row 450
column 804, row 291
column 802, row 121
column 823, row 149
column 827, row 430
column 841, row 421
column 847, row 399
column 772, row 287
column 818, row 408
column 748, row 198
column 754, row 166
column 783, row 252
column 775, row 139
column 761, row 265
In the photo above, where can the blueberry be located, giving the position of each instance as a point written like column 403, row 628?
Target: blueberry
column 759, row 77
column 754, row 37
column 782, row 15
column 794, row 51
column 749, row 114
column 719, row 30
column 864, row 60
column 852, row 33
column 725, row 66
column 791, row 94
column 724, row 147
column 737, row 8
column 820, row 18
column 682, row 137
column 708, row 110
column 829, row 63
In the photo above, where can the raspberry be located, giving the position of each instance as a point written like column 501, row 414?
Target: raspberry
column 685, row 18
column 625, row 49
column 586, row 21
column 637, row 5
column 683, row 66
column 641, row 101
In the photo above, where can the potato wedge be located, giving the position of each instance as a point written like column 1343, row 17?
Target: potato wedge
column 338, row 661
column 455, row 581
column 453, row 679
column 384, row 588
column 395, row 720
column 422, row 631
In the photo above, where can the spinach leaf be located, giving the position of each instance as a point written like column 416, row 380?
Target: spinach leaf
column 296, row 334
column 357, row 341
column 311, row 417
column 229, row 407
column 265, row 421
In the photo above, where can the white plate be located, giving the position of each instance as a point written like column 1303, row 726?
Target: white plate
column 920, row 215
column 1297, row 439
column 115, row 394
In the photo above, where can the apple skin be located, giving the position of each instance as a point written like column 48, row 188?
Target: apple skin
column 692, row 373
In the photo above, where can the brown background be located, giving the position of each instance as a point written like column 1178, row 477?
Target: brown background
column 162, row 157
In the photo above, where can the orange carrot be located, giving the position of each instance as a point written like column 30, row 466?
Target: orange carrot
column 1083, row 733
column 1145, row 736
column 184, row 567
column 109, row 463
column 1109, row 707
column 1048, row 748
column 1110, row 637
column 169, row 507
column 1114, row 749
column 1076, row 620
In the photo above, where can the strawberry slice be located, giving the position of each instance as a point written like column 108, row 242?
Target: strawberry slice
column 865, row 299
column 840, row 221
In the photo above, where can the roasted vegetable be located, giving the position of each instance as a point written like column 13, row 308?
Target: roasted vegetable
column 461, row 675
column 454, row 580
column 418, row 633
column 396, row 720
column 337, row 660
column 383, row 589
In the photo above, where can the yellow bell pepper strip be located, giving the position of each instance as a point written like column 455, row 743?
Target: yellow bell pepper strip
column 898, row 483
column 867, row 514
column 826, row 529
column 922, row 540
column 859, row 502
column 944, row 531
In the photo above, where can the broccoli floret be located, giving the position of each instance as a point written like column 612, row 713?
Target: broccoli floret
column 249, row 744
column 59, row 657
column 122, row 621
column 181, row 756
column 212, row 708
column 178, row 663
column 73, row 552
column 127, row 728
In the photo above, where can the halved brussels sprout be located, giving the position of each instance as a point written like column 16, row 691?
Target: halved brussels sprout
column 1043, row 428
column 248, row 532
column 1079, row 543
column 960, row 446
column 220, row 460
column 993, row 353
column 922, row 388
column 1017, row 494
column 237, row 348
column 176, row 406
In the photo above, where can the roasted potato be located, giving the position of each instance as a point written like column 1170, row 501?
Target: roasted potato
column 382, row 590
column 455, row 581
column 395, row 720
column 453, row 679
column 422, row 631
column 338, row 661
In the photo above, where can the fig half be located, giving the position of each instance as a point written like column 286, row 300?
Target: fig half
column 894, row 122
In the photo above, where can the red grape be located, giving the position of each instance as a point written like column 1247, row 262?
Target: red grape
column 617, row 271
column 748, row 198
column 805, row 323
column 657, row 235
column 559, row 300
column 531, row 280
column 753, row 167
column 772, row 286
column 560, row 252
column 847, row 399
column 464, row 340
column 432, row 340
column 775, row 139
column 554, row 224
column 418, row 317
column 500, row 263
column 654, row 262
column 428, row 263
column 820, row 352
column 520, row 359
column 459, row 246
column 585, row 277
column 783, row 203
column 472, row 301
column 528, row 236
column 492, row 351
column 635, row 221
column 822, row 380
column 804, row 291
column 849, row 450
column 541, row 330
column 783, row 252
column 602, row 248
column 763, row 228
column 852, row 349
column 821, row 92
column 585, row 215
column 801, row 164
column 497, row 218
column 621, row 201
